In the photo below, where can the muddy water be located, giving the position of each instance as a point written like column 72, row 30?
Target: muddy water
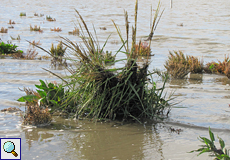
column 199, row 28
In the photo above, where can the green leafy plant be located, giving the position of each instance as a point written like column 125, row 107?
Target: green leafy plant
column 49, row 94
column 209, row 147
column 35, row 114
column 8, row 48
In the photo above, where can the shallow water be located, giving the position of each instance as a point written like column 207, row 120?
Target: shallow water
column 204, row 98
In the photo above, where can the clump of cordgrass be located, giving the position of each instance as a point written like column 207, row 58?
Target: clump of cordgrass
column 3, row 30
column 36, row 28
column 22, row 14
column 195, row 65
column 11, row 22
column 120, row 93
column 56, row 29
column 177, row 64
column 50, row 19
column 75, row 31
column 214, row 67
column 142, row 49
column 58, row 53
column 219, row 68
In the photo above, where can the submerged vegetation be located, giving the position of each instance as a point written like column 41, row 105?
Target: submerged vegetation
column 209, row 147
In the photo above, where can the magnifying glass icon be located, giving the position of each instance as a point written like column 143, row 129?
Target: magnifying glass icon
column 9, row 147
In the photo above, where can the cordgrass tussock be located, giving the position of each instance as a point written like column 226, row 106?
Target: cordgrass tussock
column 177, row 64
column 116, row 93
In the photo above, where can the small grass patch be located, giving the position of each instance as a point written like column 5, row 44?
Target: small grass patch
column 50, row 19
column 58, row 53
column 36, row 28
column 75, row 31
column 3, row 30
column 11, row 22
column 34, row 43
column 30, row 54
column 17, row 38
column 56, row 29
column 22, row 14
